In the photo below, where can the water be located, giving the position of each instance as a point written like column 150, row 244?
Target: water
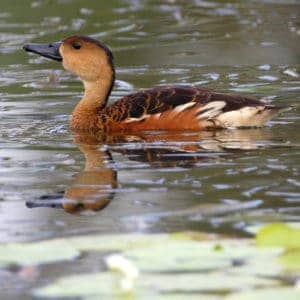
column 211, row 181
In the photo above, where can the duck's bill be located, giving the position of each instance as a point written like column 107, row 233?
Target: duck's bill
column 50, row 50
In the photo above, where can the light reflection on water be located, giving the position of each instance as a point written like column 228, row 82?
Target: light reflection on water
column 213, row 181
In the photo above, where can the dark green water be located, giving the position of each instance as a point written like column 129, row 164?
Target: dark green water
column 214, row 182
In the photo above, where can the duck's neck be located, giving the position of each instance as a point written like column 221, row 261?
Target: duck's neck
column 96, row 94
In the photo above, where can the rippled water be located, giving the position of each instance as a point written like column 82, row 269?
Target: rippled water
column 210, row 181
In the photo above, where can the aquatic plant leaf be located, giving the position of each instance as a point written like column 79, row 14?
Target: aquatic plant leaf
column 84, row 285
column 278, row 235
column 179, row 255
column 202, row 282
column 254, row 229
column 36, row 253
column 286, row 236
column 171, row 296
column 107, row 285
column 168, row 264
column 116, row 241
column 279, row 293
column 131, row 241
column 184, row 255
column 291, row 259
column 65, row 249
column 266, row 265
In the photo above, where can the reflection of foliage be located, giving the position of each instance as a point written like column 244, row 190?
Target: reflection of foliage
column 173, row 264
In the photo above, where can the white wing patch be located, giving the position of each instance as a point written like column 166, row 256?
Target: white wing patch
column 212, row 115
column 183, row 107
column 210, row 110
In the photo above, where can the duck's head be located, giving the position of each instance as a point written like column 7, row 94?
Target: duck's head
column 81, row 55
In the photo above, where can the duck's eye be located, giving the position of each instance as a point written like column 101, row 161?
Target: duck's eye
column 76, row 45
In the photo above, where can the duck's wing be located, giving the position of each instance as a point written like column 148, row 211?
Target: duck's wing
column 186, row 107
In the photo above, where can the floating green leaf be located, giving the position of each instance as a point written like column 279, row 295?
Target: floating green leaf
column 291, row 259
column 254, row 229
column 179, row 255
column 285, row 236
column 68, row 248
column 278, row 235
column 270, row 293
column 84, row 285
column 190, row 255
column 116, row 242
column 36, row 253
column 106, row 284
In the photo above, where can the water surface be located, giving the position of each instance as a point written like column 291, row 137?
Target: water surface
column 170, row 182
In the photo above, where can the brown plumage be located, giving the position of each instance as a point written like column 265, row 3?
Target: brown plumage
column 160, row 108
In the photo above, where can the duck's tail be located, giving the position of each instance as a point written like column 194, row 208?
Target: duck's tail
column 248, row 116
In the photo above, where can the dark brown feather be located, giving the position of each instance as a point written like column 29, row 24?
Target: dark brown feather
column 166, row 98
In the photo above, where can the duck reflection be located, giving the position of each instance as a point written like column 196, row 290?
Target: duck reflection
column 94, row 187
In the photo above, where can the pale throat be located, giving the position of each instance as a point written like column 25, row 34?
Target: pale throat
column 96, row 93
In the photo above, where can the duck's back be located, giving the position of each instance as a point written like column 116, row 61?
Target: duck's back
column 184, row 108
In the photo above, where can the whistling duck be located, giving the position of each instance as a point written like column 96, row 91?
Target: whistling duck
column 175, row 107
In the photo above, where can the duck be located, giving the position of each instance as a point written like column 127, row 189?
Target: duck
column 162, row 108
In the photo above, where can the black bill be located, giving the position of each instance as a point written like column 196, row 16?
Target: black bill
column 50, row 50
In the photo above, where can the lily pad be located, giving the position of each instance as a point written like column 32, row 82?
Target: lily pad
column 116, row 242
column 263, row 294
column 254, row 229
column 171, row 296
column 285, row 236
column 84, row 285
column 291, row 259
column 278, row 235
column 206, row 282
column 179, row 255
column 106, row 285
column 69, row 248
column 36, row 253
column 184, row 255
